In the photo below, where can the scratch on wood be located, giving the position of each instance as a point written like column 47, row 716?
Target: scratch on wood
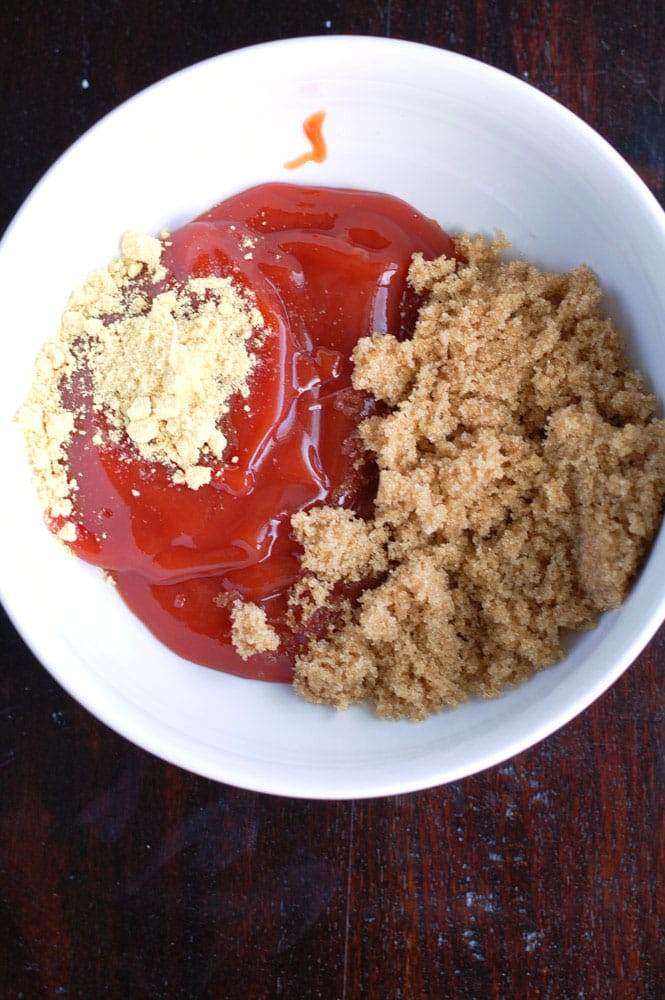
column 347, row 916
column 389, row 10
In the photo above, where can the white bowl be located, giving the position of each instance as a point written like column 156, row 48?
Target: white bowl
column 466, row 144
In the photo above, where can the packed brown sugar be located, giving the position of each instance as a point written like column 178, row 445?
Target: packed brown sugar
column 522, row 479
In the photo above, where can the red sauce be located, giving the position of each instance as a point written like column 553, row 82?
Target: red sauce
column 326, row 266
column 313, row 129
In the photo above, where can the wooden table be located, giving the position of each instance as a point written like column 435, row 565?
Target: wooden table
column 121, row 876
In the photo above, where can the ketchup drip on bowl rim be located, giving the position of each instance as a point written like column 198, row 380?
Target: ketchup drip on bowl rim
column 325, row 268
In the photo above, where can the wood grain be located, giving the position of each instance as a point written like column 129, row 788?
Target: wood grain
column 121, row 876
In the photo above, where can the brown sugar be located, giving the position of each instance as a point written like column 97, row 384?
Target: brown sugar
column 522, row 480
column 251, row 632
column 339, row 545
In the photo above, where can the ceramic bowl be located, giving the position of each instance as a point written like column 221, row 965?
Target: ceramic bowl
column 468, row 145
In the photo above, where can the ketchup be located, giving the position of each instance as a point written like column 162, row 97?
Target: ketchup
column 326, row 267
column 313, row 129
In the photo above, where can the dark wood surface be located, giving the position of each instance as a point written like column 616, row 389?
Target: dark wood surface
column 122, row 876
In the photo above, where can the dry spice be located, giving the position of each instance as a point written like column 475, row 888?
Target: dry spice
column 164, row 359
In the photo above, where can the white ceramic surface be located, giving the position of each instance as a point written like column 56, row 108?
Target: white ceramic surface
column 466, row 144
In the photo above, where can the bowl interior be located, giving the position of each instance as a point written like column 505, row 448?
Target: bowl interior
column 465, row 144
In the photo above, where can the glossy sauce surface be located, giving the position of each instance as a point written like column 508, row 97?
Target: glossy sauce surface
column 326, row 266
